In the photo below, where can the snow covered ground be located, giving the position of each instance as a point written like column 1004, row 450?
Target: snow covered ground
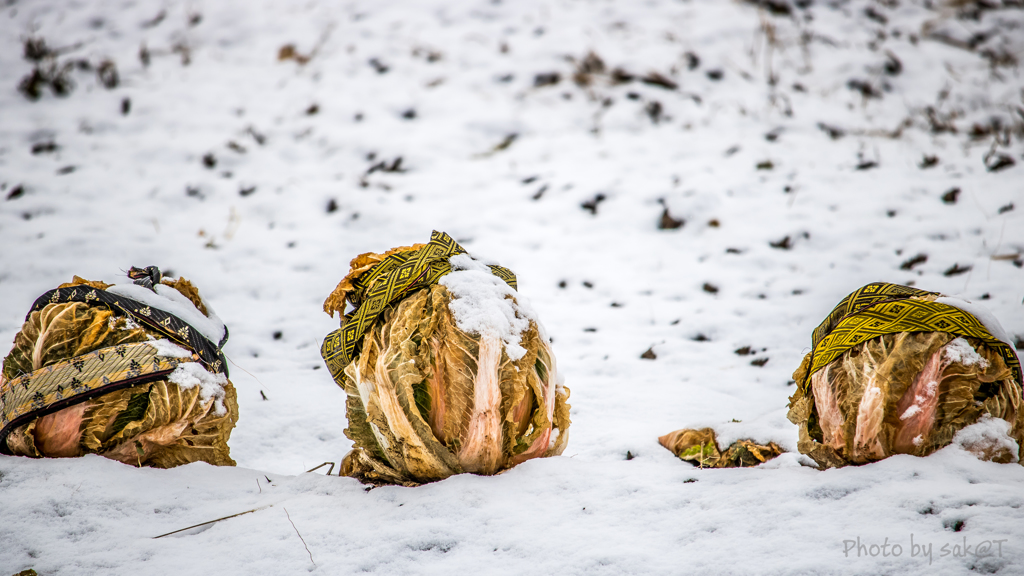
column 809, row 147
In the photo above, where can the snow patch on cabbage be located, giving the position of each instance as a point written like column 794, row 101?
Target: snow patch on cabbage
column 169, row 349
column 191, row 374
column 173, row 302
column 483, row 304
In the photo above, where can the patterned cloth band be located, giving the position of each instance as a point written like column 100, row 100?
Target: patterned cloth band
column 168, row 325
column 69, row 382
column 879, row 308
column 388, row 282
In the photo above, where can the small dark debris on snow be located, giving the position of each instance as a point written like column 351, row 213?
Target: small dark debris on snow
column 733, row 251
column 590, row 65
column 1019, row 343
column 16, row 192
column 588, row 284
column 278, row 334
column 107, row 73
column 951, row 195
column 994, row 162
column 785, row 244
column 710, row 288
column 378, row 66
column 701, row 338
column 620, row 76
column 591, row 205
column 765, row 165
column 503, row 145
column 193, row 192
column 692, row 61
column 529, row 180
column 66, row 170
column 539, row 193
column 910, row 263
column 649, row 355
column 1005, row 209
column 714, row 223
column 774, row 7
column 956, row 270
column 155, row 20
column 126, row 106
column 731, row 150
column 258, row 137
column 773, row 135
column 264, row 396
column 616, row 305
column 35, row 49
column 383, row 166
column 236, row 147
column 866, row 89
column 833, row 132
column 657, row 79
column 313, row 109
column 633, row 96
column 745, row 351
column 689, row 481
column 590, row 329
column 985, row 296
column 866, row 165
column 44, row 147
column 759, row 362
column 892, row 66
column 546, row 79
column 667, row 222
column 629, row 455
column 562, row 284
column 194, row 19
column 938, row 123
column 409, row 114
column 654, row 111
column 875, row 15
column 715, row 74
column 209, row 160
column 332, row 206
column 246, row 191
column 928, row 162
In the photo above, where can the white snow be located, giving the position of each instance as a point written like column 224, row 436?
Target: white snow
column 170, row 349
column 910, row 412
column 987, row 435
column 984, row 315
column 191, row 374
column 170, row 300
column 484, row 304
column 960, row 350
column 255, row 234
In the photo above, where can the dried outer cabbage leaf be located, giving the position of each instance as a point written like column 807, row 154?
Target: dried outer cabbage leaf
column 426, row 400
column 157, row 423
column 902, row 392
column 700, row 448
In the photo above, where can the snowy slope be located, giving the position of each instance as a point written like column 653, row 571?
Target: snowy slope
column 794, row 146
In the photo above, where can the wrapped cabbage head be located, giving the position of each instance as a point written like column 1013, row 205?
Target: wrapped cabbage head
column 896, row 370
column 446, row 369
column 131, row 372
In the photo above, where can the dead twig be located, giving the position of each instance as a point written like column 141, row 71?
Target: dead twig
column 217, row 520
column 299, row 535
column 329, row 470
